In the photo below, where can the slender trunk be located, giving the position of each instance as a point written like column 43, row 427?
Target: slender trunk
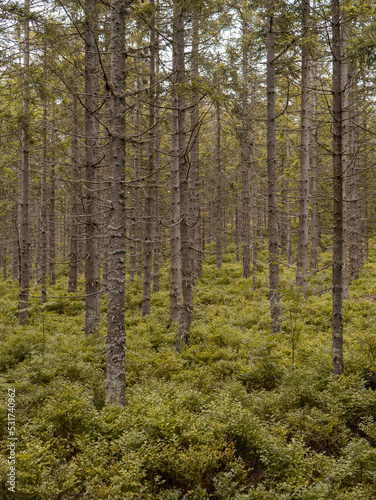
column 254, row 190
column 73, row 262
column 43, row 209
column 52, row 215
column 157, row 200
column 115, row 340
column 355, row 249
column 24, row 237
column 275, row 301
column 175, row 238
column 91, row 172
column 302, row 254
column 246, row 229
column 345, row 156
column 315, row 222
column 148, row 235
column 337, row 321
column 195, row 151
column 186, row 232
column 218, row 201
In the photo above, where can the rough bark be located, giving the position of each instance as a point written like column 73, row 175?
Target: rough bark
column 115, row 343
column 246, row 214
column 175, row 238
column 218, row 200
column 52, row 215
column 275, row 301
column 43, row 232
column 195, row 150
column 148, row 234
column 315, row 222
column 73, row 256
column 303, row 230
column 186, row 232
column 337, row 321
column 91, row 173
column 24, row 236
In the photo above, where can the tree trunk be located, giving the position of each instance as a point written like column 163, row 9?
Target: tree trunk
column 148, row 235
column 315, row 222
column 275, row 301
column 246, row 228
column 175, row 238
column 73, row 257
column 195, row 151
column 52, row 215
column 24, row 237
column 302, row 254
column 43, row 195
column 91, row 175
column 115, row 342
column 337, row 321
column 186, row 232
column 218, row 201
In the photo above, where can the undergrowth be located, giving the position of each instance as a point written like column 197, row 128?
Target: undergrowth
column 239, row 414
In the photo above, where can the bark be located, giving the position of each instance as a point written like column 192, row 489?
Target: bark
column 148, row 236
column 254, row 190
column 345, row 156
column 75, row 208
column 275, row 301
column 15, row 243
column 186, row 232
column 302, row 254
column 355, row 248
column 218, row 201
column 246, row 215
column 91, row 173
column 315, row 222
column 43, row 232
column 24, row 237
column 337, row 321
column 175, row 238
column 157, row 200
column 115, row 343
column 52, row 215
column 195, row 150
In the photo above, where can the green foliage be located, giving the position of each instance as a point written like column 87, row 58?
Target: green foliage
column 229, row 418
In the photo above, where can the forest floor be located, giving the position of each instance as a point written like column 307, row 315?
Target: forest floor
column 239, row 414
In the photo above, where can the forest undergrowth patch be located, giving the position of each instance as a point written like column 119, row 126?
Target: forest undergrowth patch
column 239, row 414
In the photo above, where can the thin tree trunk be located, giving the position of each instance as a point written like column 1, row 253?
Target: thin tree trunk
column 24, row 238
column 91, row 172
column 73, row 263
column 337, row 321
column 157, row 200
column 175, row 238
column 303, row 230
column 43, row 209
column 315, row 222
column 246, row 228
column 195, row 151
column 52, row 215
column 275, row 301
column 186, row 232
column 345, row 156
column 115, row 340
column 148, row 236
column 218, row 201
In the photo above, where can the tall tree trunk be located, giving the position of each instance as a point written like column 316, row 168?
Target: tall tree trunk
column 345, row 155
column 218, row 201
column 148, row 235
column 115, row 342
column 302, row 254
column 73, row 257
column 275, row 301
column 254, row 190
column 315, row 222
column 157, row 198
column 355, row 248
column 43, row 189
column 186, row 232
column 52, row 215
column 175, row 238
column 337, row 321
column 24, row 237
column 246, row 228
column 195, row 151
column 91, row 174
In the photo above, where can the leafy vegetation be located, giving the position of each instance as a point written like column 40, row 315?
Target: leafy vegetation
column 239, row 414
